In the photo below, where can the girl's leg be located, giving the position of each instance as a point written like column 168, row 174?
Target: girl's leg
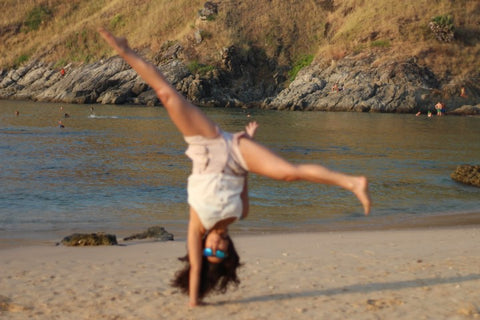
column 261, row 160
column 189, row 119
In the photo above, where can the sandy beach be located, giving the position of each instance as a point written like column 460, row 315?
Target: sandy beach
column 390, row 274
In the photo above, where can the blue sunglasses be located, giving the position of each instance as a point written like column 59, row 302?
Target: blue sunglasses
column 208, row 252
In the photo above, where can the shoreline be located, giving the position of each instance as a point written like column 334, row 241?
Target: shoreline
column 370, row 223
column 429, row 273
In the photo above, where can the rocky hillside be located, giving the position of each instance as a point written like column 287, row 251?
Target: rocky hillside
column 380, row 56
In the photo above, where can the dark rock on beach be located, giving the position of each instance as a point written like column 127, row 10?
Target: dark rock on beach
column 467, row 174
column 90, row 239
column 156, row 233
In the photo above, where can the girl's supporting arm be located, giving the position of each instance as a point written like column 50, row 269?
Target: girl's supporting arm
column 195, row 252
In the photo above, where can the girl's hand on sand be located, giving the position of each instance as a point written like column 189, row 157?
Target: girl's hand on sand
column 197, row 304
column 119, row 44
column 251, row 128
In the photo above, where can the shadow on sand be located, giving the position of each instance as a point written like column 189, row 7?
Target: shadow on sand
column 357, row 288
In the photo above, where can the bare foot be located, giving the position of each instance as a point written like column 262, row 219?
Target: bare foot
column 360, row 189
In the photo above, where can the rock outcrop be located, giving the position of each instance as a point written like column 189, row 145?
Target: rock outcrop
column 249, row 79
column 354, row 84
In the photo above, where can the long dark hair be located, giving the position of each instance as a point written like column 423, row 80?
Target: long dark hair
column 214, row 277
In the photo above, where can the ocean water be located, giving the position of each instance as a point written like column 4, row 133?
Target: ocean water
column 122, row 169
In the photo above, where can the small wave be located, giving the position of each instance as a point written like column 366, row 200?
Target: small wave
column 13, row 131
column 93, row 116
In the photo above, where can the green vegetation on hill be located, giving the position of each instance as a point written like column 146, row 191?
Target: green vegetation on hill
column 290, row 32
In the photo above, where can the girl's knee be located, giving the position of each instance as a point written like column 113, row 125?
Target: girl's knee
column 289, row 173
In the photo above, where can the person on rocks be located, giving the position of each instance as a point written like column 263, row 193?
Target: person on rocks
column 217, row 187
column 440, row 108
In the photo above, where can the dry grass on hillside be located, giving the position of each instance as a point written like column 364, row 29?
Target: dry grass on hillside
column 284, row 30
column 68, row 31
column 400, row 28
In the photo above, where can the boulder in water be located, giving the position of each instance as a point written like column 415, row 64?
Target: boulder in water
column 467, row 174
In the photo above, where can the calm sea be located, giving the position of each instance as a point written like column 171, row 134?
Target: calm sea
column 123, row 169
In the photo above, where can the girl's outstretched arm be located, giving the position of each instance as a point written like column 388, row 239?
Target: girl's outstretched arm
column 189, row 119
column 250, row 130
